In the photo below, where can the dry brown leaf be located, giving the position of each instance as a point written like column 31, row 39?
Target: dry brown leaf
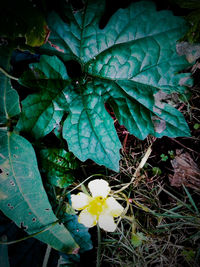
column 186, row 171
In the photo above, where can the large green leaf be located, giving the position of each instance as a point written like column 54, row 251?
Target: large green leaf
column 88, row 129
column 43, row 111
column 132, row 64
column 22, row 195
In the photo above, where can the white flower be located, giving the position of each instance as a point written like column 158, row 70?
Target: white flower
column 98, row 208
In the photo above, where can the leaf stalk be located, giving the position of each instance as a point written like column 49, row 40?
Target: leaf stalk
column 8, row 75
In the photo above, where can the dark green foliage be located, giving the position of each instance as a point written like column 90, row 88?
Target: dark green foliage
column 193, row 18
column 58, row 165
column 22, row 19
column 22, row 195
column 79, row 232
column 131, row 64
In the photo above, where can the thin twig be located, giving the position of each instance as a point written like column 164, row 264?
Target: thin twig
column 185, row 146
column 84, row 182
column 46, row 257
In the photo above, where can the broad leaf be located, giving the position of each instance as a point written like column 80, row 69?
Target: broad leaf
column 9, row 99
column 58, row 165
column 43, row 111
column 88, row 129
column 131, row 64
column 22, row 195
column 23, row 198
column 30, row 252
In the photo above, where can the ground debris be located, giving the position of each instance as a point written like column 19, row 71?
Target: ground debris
column 186, row 171
column 191, row 51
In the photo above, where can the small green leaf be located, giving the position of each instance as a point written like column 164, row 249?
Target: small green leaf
column 58, row 165
column 156, row 171
column 69, row 209
column 137, row 239
column 37, row 32
column 164, row 157
column 171, row 154
column 196, row 126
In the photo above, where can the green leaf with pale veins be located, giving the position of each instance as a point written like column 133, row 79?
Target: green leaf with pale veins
column 22, row 195
column 131, row 64
column 88, row 129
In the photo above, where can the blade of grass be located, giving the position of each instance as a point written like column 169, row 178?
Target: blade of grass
column 178, row 200
column 191, row 199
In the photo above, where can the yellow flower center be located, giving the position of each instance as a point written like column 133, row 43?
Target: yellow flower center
column 97, row 205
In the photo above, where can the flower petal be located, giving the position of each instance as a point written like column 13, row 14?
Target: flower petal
column 113, row 207
column 106, row 222
column 80, row 201
column 99, row 188
column 87, row 218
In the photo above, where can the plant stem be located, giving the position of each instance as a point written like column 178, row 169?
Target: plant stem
column 93, row 175
column 46, row 257
column 48, row 250
column 8, row 75
column 99, row 246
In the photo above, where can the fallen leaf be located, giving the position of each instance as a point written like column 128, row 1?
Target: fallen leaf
column 186, row 171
